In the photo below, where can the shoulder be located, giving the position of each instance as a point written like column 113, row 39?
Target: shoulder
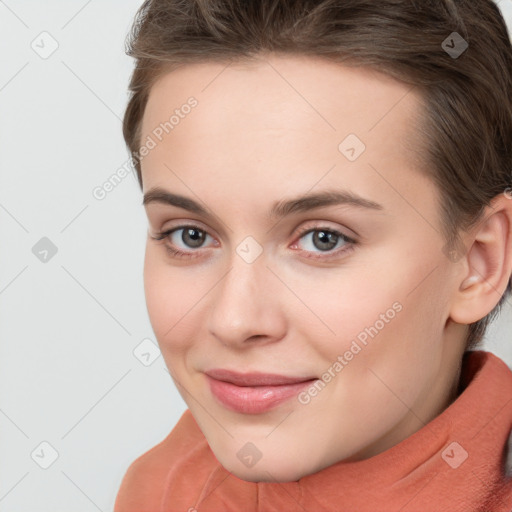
column 144, row 482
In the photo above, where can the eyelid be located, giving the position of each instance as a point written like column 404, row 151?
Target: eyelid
column 313, row 225
column 191, row 223
column 318, row 225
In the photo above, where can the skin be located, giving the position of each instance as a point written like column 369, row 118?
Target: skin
column 268, row 131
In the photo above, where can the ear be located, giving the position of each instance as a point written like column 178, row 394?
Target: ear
column 487, row 266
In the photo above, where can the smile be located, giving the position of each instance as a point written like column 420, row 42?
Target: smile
column 254, row 393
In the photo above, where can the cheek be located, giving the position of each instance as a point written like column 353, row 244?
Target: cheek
column 408, row 351
column 380, row 310
column 154, row 288
column 176, row 302
column 343, row 305
column 165, row 297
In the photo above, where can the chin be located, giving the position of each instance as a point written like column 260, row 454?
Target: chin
column 266, row 470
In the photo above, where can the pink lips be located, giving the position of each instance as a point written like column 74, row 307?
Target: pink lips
column 253, row 393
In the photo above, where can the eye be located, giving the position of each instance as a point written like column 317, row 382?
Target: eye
column 325, row 240
column 191, row 236
column 329, row 242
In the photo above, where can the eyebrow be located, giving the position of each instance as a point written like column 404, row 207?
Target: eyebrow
column 279, row 209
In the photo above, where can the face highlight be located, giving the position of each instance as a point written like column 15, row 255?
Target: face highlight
column 294, row 274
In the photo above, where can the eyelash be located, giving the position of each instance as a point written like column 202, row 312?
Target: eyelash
column 177, row 253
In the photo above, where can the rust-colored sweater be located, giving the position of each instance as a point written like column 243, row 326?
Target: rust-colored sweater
column 455, row 463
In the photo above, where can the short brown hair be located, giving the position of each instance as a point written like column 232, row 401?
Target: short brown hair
column 466, row 128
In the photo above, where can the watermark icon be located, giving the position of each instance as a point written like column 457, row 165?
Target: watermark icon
column 249, row 454
column 330, row 373
column 44, row 455
column 352, row 147
column 455, row 45
column 146, row 352
column 454, row 251
column 45, row 45
column 454, row 455
column 44, row 250
column 249, row 249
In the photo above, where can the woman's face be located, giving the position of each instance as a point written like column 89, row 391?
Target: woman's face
column 311, row 250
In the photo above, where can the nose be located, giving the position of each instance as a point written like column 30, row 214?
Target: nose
column 245, row 305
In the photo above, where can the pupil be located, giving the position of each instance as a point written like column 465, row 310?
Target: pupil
column 197, row 239
column 322, row 237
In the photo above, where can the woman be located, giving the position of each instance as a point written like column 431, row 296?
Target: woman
column 327, row 186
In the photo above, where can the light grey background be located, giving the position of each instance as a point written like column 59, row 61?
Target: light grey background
column 69, row 325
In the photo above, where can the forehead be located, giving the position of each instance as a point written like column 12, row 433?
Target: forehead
column 277, row 113
column 281, row 85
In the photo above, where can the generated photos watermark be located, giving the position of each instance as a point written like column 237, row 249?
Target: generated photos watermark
column 100, row 192
column 342, row 361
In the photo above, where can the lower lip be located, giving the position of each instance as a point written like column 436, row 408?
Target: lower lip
column 254, row 400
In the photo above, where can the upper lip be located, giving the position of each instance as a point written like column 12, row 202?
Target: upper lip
column 254, row 378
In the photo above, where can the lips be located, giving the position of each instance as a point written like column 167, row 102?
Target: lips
column 253, row 393
column 254, row 378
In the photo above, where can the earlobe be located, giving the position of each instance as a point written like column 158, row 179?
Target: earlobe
column 488, row 264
